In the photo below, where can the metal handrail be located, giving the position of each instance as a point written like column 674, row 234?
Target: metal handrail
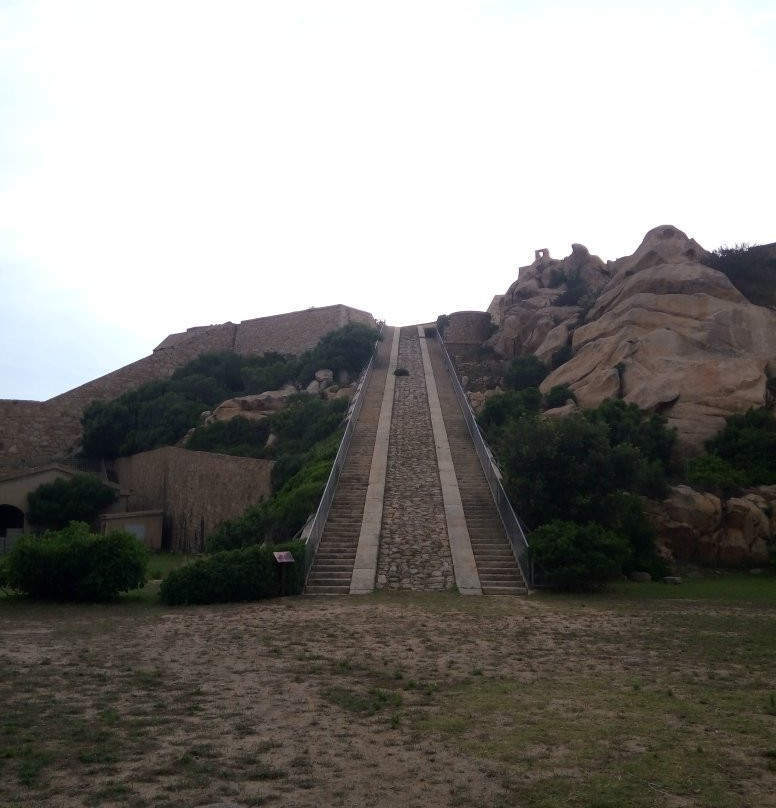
column 514, row 531
column 312, row 537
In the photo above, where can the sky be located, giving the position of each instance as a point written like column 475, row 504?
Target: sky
column 172, row 163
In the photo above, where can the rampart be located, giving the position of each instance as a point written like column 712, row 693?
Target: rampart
column 468, row 328
column 196, row 490
column 34, row 432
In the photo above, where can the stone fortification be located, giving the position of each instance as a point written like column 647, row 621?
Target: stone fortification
column 468, row 328
column 196, row 490
column 33, row 432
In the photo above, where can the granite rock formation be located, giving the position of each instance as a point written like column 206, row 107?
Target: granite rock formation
column 658, row 328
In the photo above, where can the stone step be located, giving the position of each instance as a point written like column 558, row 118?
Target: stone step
column 321, row 589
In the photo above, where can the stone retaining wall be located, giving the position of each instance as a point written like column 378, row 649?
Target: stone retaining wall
column 414, row 546
column 196, row 490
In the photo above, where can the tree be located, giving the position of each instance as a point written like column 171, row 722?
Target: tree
column 580, row 558
column 80, row 498
column 523, row 372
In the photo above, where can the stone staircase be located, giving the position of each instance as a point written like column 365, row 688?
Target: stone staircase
column 332, row 568
column 496, row 565
column 401, row 539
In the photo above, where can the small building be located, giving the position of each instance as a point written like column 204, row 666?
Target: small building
column 146, row 526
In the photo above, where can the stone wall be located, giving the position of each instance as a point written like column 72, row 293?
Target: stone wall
column 196, row 490
column 414, row 546
column 34, row 432
column 296, row 331
column 468, row 327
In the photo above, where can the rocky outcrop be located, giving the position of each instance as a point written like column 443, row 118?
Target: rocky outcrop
column 256, row 407
column 661, row 330
column 702, row 528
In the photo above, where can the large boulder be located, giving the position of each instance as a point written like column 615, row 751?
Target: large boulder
column 669, row 334
column 702, row 528
column 255, row 407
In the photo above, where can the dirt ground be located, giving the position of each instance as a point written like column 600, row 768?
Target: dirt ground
column 395, row 700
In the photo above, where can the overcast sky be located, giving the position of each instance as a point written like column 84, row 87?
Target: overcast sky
column 171, row 163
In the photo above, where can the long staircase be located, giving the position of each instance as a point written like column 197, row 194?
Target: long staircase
column 332, row 569
column 496, row 565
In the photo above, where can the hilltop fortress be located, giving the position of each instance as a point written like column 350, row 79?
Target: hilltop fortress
column 33, row 433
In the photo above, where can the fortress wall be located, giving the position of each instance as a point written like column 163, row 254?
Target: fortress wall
column 26, row 433
column 196, row 490
column 33, row 432
column 468, row 327
column 297, row 331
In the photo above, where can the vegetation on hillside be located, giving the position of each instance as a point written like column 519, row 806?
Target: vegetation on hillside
column 579, row 478
column 743, row 453
column 750, row 268
column 160, row 413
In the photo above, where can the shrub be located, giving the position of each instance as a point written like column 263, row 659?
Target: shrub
column 441, row 323
column 247, row 574
column 627, row 424
column 711, row 472
column 499, row 410
column 160, row 413
column 285, row 513
column 558, row 396
column 4, row 573
column 238, row 436
column 74, row 564
column 523, row 372
column 747, row 443
column 578, row 557
column 79, row 498
column 401, row 372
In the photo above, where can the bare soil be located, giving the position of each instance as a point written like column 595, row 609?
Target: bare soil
column 391, row 700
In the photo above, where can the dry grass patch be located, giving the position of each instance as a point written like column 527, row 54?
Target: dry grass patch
column 639, row 698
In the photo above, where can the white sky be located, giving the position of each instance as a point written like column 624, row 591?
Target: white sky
column 171, row 163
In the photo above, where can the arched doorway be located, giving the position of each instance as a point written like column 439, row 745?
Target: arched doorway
column 11, row 518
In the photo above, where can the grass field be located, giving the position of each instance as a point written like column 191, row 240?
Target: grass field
column 650, row 695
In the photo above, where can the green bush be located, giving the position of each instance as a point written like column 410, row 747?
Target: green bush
column 4, row 573
column 712, row 473
column 558, row 396
column 238, row 436
column 747, row 443
column 74, row 564
column 579, row 558
column 160, row 413
column 285, row 513
column 502, row 409
column 79, row 498
column 247, row 574
column 401, row 372
column 523, row 372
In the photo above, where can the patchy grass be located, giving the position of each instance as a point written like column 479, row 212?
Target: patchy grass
column 650, row 695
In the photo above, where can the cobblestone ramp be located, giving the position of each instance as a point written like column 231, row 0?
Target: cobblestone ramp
column 332, row 569
column 414, row 548
column 496, row 564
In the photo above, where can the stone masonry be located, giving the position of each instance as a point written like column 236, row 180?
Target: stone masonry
column 34, row 432
column 414, row 546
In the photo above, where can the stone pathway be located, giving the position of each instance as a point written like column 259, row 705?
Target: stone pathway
column 414, row 546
